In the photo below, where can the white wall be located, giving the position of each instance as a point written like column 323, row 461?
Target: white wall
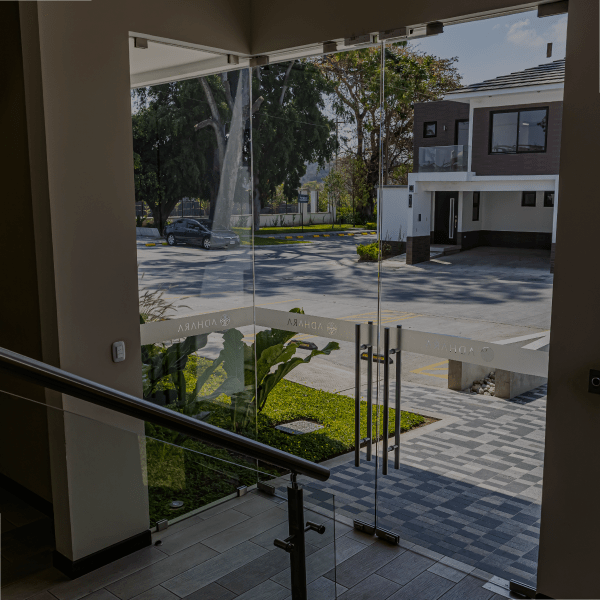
column 502, row 211
column 467, row 214
column 393, row 208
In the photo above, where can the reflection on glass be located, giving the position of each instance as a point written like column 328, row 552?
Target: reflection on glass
column 438, row 159
column 532, row 130
column 504, row 132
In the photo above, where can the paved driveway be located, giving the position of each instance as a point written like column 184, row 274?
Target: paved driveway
column 469, row 490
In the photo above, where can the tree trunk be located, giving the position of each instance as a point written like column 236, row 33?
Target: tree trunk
column 232, row 160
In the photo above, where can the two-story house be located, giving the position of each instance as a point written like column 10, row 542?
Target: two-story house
column 486, row 163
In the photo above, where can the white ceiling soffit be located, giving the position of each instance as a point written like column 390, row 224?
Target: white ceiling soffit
column 163, row 61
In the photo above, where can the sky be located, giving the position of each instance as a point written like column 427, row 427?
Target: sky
column 493, row 47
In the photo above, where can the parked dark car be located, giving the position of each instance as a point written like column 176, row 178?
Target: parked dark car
column 200, row 232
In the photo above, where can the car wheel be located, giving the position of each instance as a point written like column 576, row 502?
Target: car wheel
column 171, row 240
column 206, row 243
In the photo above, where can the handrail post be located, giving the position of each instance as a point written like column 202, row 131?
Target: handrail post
column 398, row 396
column 296, row 532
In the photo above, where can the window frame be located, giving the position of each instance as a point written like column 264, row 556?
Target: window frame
column 523, row 194
column 456, row 131
column 546, row 203
column 476, row 206
column 519, row 111
column 425, row 129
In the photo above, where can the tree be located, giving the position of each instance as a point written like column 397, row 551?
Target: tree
column 289, row 128
column 172, row 158
column 409, row 77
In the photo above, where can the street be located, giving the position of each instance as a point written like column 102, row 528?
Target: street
column 487, row 294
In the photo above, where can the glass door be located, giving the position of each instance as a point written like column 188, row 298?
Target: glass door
column 315, row 177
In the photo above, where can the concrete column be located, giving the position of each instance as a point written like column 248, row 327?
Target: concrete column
column 554, row 219
column 570, row 528
column 418, row 237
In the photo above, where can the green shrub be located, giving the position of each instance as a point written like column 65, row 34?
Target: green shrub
column 371, row 225
column 370, row 252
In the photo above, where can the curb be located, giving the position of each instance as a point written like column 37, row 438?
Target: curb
column 290, row 237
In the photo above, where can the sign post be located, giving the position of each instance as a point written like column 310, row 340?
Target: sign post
column 302, row 199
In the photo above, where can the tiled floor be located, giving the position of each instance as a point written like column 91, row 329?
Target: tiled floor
column 470, row 489
column 27, row 538
column 227, row 553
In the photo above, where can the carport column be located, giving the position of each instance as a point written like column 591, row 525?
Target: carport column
column 418, row 235
column 553, row 247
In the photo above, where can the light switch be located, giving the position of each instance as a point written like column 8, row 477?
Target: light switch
column 118, row 351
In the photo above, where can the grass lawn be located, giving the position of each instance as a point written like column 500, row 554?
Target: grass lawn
column 260, row 241
column 196, row 479
column 298, row 229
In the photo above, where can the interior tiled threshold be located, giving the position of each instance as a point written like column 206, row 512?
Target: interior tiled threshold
column 227, row 552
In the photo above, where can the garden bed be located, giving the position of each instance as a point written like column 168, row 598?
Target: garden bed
column 202, row 474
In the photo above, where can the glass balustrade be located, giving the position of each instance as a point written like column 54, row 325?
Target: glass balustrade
column 443, row 159
column 176, row 485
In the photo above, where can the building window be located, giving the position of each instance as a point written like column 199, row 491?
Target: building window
column 430, row 129
column 549, row 199
column 518, row 131
column 462, row 133
column 528, row 199
column 476, row 201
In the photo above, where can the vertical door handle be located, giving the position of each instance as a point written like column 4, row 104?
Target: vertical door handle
column 369, row 438
column 357, row 395
column 451, row 223
column 386, row 398
column 398, row 396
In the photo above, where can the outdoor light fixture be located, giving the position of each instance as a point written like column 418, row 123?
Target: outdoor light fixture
column 140, row 43
column 176, row 504
column 233, row 59
column 259, row 61
column 329, row 47
column 367, row 38
column 393, row 33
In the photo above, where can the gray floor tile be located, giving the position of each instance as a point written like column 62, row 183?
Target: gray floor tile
column 155, row 574
column 268, row 590
column 345, row 547
column 324, row 589
column 318, row 564
column 426, row 586
column 365, row 563
column 203, row 530
column 254, row 505
column 224, row 540
column 470, row 587
column 447, row 572
column 212, row 591
column 157, row 593
column 372, row 587
column 253, row 573
column 405, row 568
column 78, row 588
column 101, row 594
column 213, row 569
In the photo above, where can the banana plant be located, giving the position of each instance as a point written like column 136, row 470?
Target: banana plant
column 249, row 383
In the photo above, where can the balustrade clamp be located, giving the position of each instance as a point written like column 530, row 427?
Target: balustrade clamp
column 310, row 526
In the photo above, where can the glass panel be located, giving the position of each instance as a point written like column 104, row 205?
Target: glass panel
column 123, row 478
column 193, row 155
column 308, row 144
column 462, row 133
column 504, row 132
column 532, row 130
column 440, row 159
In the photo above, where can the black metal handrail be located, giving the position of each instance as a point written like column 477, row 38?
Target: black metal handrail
column 79, row 387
